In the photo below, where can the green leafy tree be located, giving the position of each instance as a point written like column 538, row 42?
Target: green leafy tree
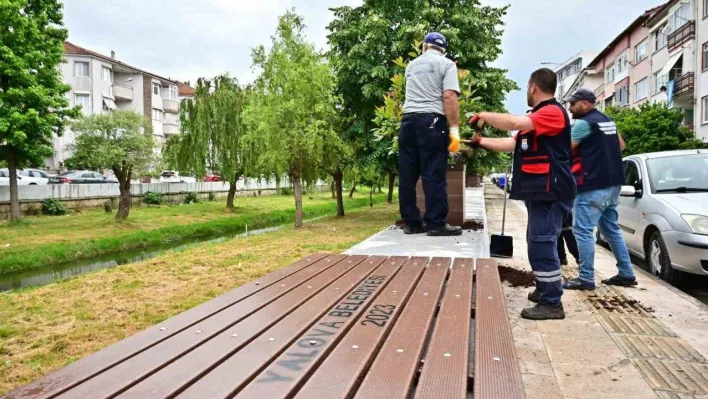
column 364, row 40
column 212, row 133
column 337, row 156
column 291, row 110
column 652, row 128
column 32, row 103
column 121, row 141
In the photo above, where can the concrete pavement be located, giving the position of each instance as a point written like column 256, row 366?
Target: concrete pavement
column 644, row 342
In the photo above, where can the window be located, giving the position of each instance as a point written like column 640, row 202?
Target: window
column 156, row 114
column 704, row 55
column 174, row 93
column 621, row 63
column 631, row 175
column 81, row 69
column 640, row 52
column 608, row 102
column 660, row 37
column 610, row 74
column 82, row 100
column 623, row 96
column 659, row 81
column 641, row 90
column 106, row 74
column 680, row 17
column 705, row 8
column 704, row 110
column 155, row 89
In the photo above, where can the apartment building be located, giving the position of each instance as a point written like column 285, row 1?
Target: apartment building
column 701, row 85
column 569, row 71
column 100, row 83
column 185, row 91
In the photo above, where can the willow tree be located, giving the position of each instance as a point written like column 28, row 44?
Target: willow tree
column 292, row 106
column 212, row 131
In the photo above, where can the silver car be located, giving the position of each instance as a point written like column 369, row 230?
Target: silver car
column 663, row 212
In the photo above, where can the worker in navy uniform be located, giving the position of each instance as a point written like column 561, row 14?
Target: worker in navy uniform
column 542, row 179
column 429, row 130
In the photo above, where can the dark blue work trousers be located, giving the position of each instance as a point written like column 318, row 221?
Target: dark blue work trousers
column 545, row 225
column 422, row 152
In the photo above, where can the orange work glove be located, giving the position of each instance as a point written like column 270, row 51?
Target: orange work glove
column 454, row 146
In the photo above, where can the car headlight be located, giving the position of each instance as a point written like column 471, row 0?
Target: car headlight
column 698, row 223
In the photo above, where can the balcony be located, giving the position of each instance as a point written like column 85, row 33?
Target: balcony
column 122, row 92
column 600, row 90
column 684, row 84
column 169, row 128
column 170, row 106
column 682, row 35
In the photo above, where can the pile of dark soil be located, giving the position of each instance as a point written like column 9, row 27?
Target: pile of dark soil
column 474, row 225
column 517, row 278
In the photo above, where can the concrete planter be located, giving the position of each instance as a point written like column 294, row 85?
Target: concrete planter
column 456, row 177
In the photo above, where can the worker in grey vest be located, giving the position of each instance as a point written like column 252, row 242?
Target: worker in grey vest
column 429, row 131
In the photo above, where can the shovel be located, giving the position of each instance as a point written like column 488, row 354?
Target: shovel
column 502, row 246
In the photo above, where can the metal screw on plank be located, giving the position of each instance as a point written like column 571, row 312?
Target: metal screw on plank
column 313, row 343
column 309, row 286
column 198, row 331
column 496, row 358
column 395, row 292
column 457, row 295
column 425, row 294
column 235, row 335
column 447, row 355
column 163, row 328
column 258, row 283
column 489, row 297
column 355, row 346
column 271, row 339
column 337, row 288
column 282, row 285
column 399, row 350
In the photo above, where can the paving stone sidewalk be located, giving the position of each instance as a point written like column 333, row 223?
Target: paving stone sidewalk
column 645, row 342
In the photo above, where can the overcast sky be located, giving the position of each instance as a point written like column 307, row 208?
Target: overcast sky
column 186, row 39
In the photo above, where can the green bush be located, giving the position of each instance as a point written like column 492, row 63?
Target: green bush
column 212, row 197
column 191, row 198
column 54, row 207
column 286, row 191
column 151, row 198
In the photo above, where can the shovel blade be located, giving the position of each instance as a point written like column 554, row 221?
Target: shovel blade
column 501, row 246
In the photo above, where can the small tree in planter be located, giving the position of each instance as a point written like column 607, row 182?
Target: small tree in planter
column 121, row 141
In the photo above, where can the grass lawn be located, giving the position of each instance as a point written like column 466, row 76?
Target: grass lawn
column 45, row 328
column 41, row 241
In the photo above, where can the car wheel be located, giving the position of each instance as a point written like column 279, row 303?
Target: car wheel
column 660, row 262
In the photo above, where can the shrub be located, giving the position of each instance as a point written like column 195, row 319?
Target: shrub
column 212, row 197
column 191, row 198
column 108, row 206
column 286, row 191
column 54, row 207
column 151, row 198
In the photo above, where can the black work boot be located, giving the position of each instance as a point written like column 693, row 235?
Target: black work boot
column 445, row 231
column 535, row 296
column 414, row 229
column 544, row 312
column 621, row 281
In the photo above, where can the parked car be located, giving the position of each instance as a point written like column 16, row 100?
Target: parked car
column 212, row 178
column 21, row 180
column 663, row 212
column 171, row 176
column 40, row 176
column 81, row 177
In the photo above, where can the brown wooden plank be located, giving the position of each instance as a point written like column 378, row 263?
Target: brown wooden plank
column 188, row 368
column 286, row 374
column 497, row 373
column 124, row 374
column 83, row 369
column 445, row 369
column 239, row 369
column 339, row 375
column 391, row 375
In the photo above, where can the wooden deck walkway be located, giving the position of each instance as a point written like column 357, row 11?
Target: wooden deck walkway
column 328, row 326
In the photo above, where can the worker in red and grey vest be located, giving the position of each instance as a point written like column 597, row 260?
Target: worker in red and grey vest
column 598, row 170
column 542, row 179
